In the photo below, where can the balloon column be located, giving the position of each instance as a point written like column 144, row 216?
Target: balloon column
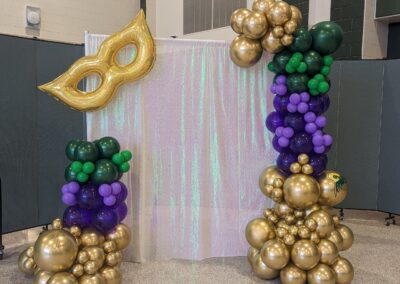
column 86, row 245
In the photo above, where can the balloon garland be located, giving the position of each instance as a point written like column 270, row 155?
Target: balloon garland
column 86, row 245
column 298, row 240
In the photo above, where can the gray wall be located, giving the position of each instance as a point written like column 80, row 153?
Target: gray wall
column 34, row 129
column 386, row 8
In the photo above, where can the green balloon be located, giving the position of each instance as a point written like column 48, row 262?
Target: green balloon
column 314, row 62
column 297, row 82
column 325, row 70
column 69, row 174
column 86, row 152
column 302, row 40
column 281, row 59
column 271, row 67
column 328, row 60
column 302, row 67
column 124, row 167
column 70, row 149
column 327, row 37
column 313, row 84
column 88, row 167
column 290, row 69
column 105, row 172
column 108, row 146
column 294, row 61
column 323, row 87
column 298, row 55
column 127, row 155
column 319, row 77
column 118, row 159
column 76, row 167
column 314, row 92
column 82, row 177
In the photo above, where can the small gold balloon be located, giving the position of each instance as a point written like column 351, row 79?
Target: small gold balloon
column 289, row 240
column 62, row 278
column 301, row 191
column 327, row 209
column 41, row 277
column 82, row 257
column 290, row 27
column 251, row 254
column 268, row 212
column 304, row 232
column 336, row 220
column 277, row 194
column 307, row 169
column 312, row 208
column 121, row 235
column 281, row 232
column 275, row 254
column 278, row 182
column 75, row 231
column 315, row 238
column 293, row 230
column 109, row 246
column 97, row 255
column 245, row 52
column 347, row 235
column 237, row 19
column 255, row 25
column 273, row 219
column 25, row 263
column 291, row 274
column 270, row 43
column 321, row 274
column 282, row 224
column 282, row 209
column 287, row 40
column 278, row 32
column 324, row 222
column 112, row 275
column 295, row 168
column 77, row 270
column 269, row 175
column 311, row 224
column 300, row 223
column 299, row 213
column 268, row 190
column 279, row 13
column 259, row 231
column 30, row 251
column 262, row 270
column 90, row 267
column 305, row 254
column 333, row 188
column 57, row 224
column 290, row 219
column 337, row 239
column 303, row 159
column 112, row 259
column 344, row 271
column 262, row 6
column 92, row 237
column 92, row 279
column 296, row 15
column 329, row 251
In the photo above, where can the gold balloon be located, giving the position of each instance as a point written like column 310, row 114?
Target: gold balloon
column 29, row 251
column 287, row 40
column 91, row 237
column 245, row 52
column 321, row 274
column 112, row 259
column 77, row 270
column 296, row 15
column 311, row 224
column 269, row 175
column 278, row 31
column 295, row 168
column 293, row 230
column 329, row 251
column 111, row 274
column 312, row 208
column 97, row 255
column 324, row 222
column 82, row 257
column 262, row 270
column 255, row 25
column 57, row 224
column 280, row 232
column 271, row 44
column 105, row 66
column 273, row 218
column 55, row 250
column 315, row 238
column 75, row 231
column 299, row 213
column 121, row 235
column 290, row 27
column 305, row 254
column 307, row 169
column 109, row 246
column 327, row 209
column 25, row 263
column 333, row 188
column 278, row 182
column 289, row 240
column 259, row 231
column 251, row 254
column 301, row 191
column 62, row 278
column 277, row 194
column 337, row 239
column 303, row 159
column 291, row 274
column 347, row 235
column 290, row 219
column 262, row 6
column 304, row 232
column 275, row 254
column 344, row 271
column 41, row 277
column 237, row 19
column 92, row 279
column 279, row 13
column 336, row 220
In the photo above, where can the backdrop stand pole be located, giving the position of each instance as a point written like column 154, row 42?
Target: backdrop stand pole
column 1, row 225
column 341, row 212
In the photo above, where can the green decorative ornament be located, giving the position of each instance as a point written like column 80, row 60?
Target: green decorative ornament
column 108, row 146
column 326, row 37
column 88, row 167
column 124, row 167
column 297, row 83
column 302, row 67
column 69, row 174
column 280, row 60
column 82, row 177
column 118, row 159
column 127, row 155
column 76, row 167
column 314, row 62
column 302, row 40
column 70, row 149
column 105, row 172
column 86, row 152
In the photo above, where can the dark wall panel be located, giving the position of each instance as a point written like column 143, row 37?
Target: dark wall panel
column 386, row 8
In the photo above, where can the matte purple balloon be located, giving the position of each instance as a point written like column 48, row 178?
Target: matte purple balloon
column 318, row 162
column 276, row 146
column 89, row 197
column 295, row 98
column 328, row 140
column 279, row 131
column 319, row 132
column 64, row 189
column 105, row 219
column 291, row 108
column 283, row 142
column 311, row 127
column 301, row 143
column 281, row 79
column 280, row 103
column 310, row 117
column 273, row 88
column 69, row 199
column 76, row 216
column 109, row 200
column 285, row 160
column 73, row 187
column 281, row 90
column 105, row 190
column 295, row 121
column 274, row 120
column 321, row 121
column 318, row 140
column 319, row 149
column 122, row 211
column 116, row 187
column 288, row 132
column 302, row 107
column 123, row 194
column 305, row 97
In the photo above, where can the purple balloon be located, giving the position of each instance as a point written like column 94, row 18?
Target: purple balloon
column 274, row 120
column 109, row 200
column 89, row 197
column 285, row 160
column 288, row 132
column 301, row 143
column 105, row 190
column 305, row 97
column 295, row 98
column 321, row 121
column 122, row 211
column 310, row 117
column 283, row 142
column 76, row 216
column 328, row 140
column 326, row 101
column 105, row 219
column 281, row 79
column 73, row 187
column 319, row 132
column 281, row 90
column 276, row 146
column 316, row 105
column 116, row 187
column 319, row 149
column 295, row 121
column 280, row 103
column 123, row 194
column 291, row 107
column 64, row 189
column 273, row 88
column 311, row 127
column 318, row 162
column 69, row 199
column 302, row 107
column 279, row 131
column 318, row 140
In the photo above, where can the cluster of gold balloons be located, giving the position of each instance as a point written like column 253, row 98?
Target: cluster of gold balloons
column 73, row 256
column 299, row 240
column 268, row 26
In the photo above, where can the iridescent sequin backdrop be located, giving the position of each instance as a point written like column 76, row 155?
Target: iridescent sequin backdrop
column 196, row 127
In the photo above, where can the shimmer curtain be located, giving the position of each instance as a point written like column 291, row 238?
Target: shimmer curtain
column 195, row 125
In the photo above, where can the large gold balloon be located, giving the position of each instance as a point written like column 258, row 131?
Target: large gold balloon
column 97, row 255
column 91, row 237
column 282, row 209
column 279, row 13
column 270, row 43
column 337, row 239
column 269, row 175
column 55, row 250
column 305, row 254
column 92, row 279
column 237, row 19
column 329, row 251
column 333, row 188
column 255, row 25
column 296, row 15
column 262, row 270
column 324, row 222
column 259, row 231
column 251, row 254
column 262, row 6
column 104, row 65
column 41, row 277
column 245, row 52
column 111, row 274
column 301, row 191
column 344, row 271
column 121, row 235
column 62, row 278
column 321, row 274
column 275, row 254
column 291, row 274
column 26, row 264
column 347, row 235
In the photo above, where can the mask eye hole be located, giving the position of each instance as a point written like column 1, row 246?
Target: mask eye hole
column 90, row 83
column 126, row 55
